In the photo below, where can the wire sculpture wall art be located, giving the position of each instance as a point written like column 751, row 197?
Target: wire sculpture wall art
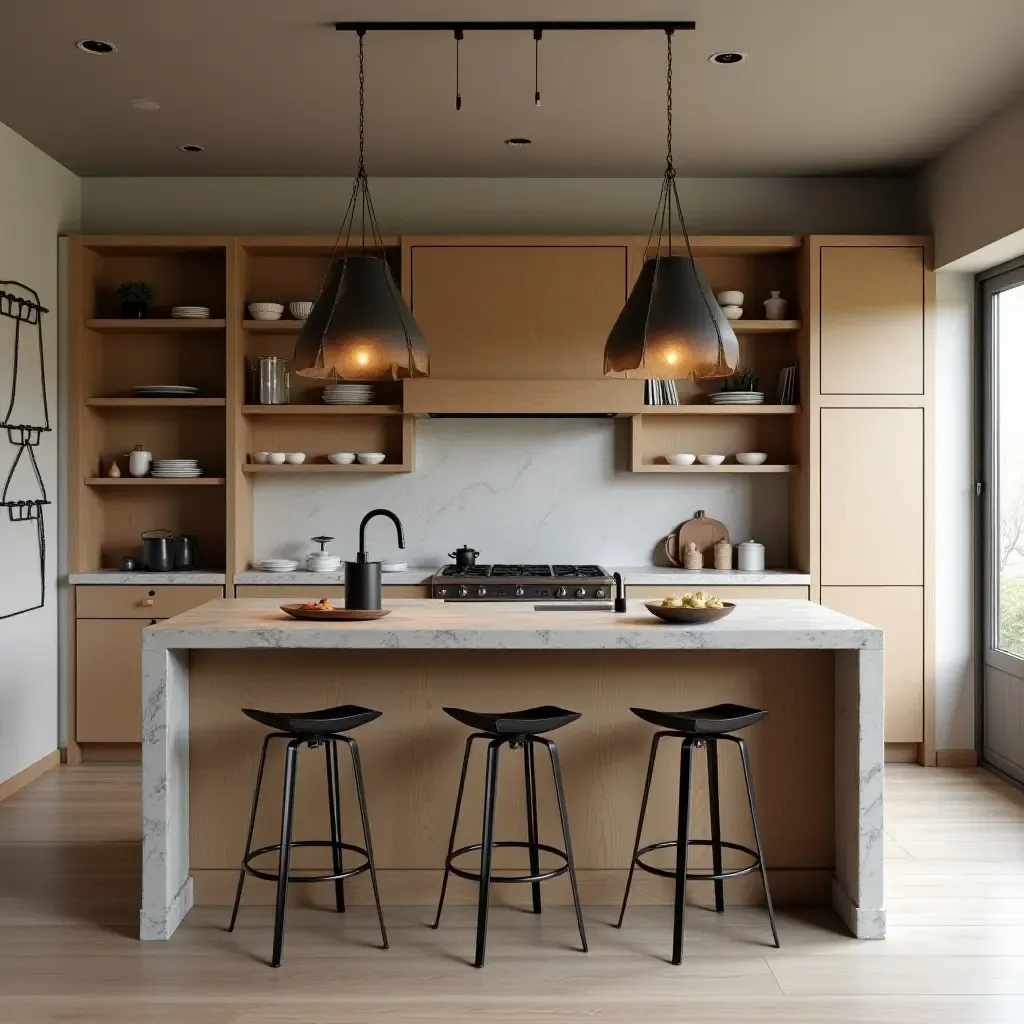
column 25, row 419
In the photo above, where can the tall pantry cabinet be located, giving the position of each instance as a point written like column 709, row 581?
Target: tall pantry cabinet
column 868, row 391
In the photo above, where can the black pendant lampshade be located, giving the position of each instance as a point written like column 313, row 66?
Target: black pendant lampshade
column 671, row 326
column 360, row 327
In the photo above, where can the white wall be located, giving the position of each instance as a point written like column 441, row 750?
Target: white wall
column 39, row 199
column 507, row 205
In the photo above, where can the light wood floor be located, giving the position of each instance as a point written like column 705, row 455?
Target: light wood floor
column 69, row 889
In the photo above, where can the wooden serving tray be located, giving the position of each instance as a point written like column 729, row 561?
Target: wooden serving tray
column 691, row 616
column 297, row 611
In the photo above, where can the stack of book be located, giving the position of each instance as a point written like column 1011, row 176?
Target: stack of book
column 660, row 392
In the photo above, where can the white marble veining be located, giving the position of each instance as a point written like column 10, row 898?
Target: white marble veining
column 413, row 576
column 431, row 625
column 519, row 490
column 111, row 577
column 857, row 890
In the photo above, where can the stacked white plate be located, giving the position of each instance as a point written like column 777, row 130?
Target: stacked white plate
column 276, row 565
column 737, row 398
column 349, row 394
column 190, row 312
column 176, row 468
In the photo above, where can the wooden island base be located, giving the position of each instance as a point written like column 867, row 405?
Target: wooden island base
column 412, row 756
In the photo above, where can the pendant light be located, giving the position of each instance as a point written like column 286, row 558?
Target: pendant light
column 360, row 327
column 671, row 326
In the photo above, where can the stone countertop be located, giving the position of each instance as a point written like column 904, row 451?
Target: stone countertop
column 413, row 576
column 114, row 577
column 431, row 625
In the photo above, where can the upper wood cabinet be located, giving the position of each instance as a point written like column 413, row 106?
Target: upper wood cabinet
column 872, row 323
column 872, row 497
column 517, row 311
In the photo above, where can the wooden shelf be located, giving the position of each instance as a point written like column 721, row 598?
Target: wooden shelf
column 156, row 403
column 321, row 467
column 273, row 326
column 152, row 481
column 322, row 410
column 742, row 326
column 142, row 325
column 658, row 468
column 720, row 410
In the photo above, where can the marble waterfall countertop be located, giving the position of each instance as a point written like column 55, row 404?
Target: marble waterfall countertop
column 182, row 578
column 430, row 624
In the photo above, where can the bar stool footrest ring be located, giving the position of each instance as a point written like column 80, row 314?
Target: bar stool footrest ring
column 272, row 876
column 474, row 876
column 698, row 876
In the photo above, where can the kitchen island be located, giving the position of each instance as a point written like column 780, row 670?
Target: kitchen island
column 817, row 757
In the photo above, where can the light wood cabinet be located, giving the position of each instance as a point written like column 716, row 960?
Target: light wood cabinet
column 130, row 602
column 872, row 497
column 872, row 323
column 899, row 611
column 749, row 592
column 517, row 311
column 109, row 680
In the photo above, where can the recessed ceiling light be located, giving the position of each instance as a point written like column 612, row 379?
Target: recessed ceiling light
column 98, row 47
column 517, row 142
column 727, row 57
column 145, row 105
column 191, row 147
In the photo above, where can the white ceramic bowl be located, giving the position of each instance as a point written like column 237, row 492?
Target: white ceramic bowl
column 323, row 564
column 276, row 458
column 300, row 310
column 680, row 459
column 265, row 310
column 730, row 298
column 371, row 458
column 295, row 458
column 711, row 460
column 342, row 458
column 260, row 458
column 751, row 458
column 733, row 312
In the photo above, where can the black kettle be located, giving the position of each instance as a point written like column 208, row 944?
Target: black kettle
column 465, row 557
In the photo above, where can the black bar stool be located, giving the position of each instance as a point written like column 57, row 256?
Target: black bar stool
column 705, row 726
column 312, row 729
column 517, row 729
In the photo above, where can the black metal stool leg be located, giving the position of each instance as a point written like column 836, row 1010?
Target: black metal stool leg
column 531, row 818
column 357, row 771
column 682, row 847
column 640, row 824
column 334, row 810
column 252, row 826
column 745, row 757
column 563, row 813
column 487, row 839
column 284, row 861
column 455, row 824
column 716, row 823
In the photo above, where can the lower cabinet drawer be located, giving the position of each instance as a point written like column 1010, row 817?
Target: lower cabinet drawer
column 108, row 680
column 793, row 593
column 393, row 590
column 130, row 602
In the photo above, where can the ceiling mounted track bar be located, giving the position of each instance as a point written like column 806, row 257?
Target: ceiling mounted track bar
column 515, row 26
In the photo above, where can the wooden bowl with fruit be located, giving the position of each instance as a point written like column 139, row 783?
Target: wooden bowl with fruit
column 324, row 611
column 691, row 609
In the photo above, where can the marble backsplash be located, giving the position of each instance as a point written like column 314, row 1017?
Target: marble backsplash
column 536, row 490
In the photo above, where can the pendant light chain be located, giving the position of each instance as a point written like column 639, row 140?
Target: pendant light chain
column 669, row 169
column 458, row 93
column 537, row 35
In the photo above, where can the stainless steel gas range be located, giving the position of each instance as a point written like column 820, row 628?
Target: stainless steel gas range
column 522, row 583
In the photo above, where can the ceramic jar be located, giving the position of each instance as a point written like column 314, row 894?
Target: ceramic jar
column 723, row 555
column 139, row 461
column 751, row 556
column 775, row 307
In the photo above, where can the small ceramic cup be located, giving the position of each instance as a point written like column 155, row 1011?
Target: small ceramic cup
column 261, row 458
column 276, row 458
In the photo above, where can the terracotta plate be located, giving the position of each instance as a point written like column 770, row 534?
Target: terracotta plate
column 693, row 616
column 297, row 611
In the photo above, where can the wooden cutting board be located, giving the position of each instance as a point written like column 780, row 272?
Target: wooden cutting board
column 700, row 530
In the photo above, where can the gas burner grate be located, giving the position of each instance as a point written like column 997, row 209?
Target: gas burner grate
column 521, row 570
column 467, row 572
column 578, row 572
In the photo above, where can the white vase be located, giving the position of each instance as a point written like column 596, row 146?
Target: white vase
column 775, row 308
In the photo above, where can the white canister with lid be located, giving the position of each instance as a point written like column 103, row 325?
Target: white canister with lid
column 139, row 461
column 751, row 556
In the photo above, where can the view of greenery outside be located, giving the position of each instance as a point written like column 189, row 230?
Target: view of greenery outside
column 1011, row 615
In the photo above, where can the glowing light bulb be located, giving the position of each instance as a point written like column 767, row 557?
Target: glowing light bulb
column 362, row 357
column 671, row 357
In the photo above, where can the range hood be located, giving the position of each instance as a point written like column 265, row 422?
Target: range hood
column 433, row 396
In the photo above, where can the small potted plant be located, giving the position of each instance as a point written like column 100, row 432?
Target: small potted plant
column 741, row 380
column 135, row 297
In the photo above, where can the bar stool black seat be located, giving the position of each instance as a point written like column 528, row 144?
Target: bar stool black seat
column 325, row 728
column 701, row 727
column 517, row 729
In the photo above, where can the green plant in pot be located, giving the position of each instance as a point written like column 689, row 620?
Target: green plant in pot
column 135, row 297
column 741, row 380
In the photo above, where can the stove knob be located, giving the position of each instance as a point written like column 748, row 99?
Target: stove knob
column 599, row 593
column 520, row 591
column 481, row 592
column 560, row 592
column 442, row 591
column 580, row 592
column 463, row 592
